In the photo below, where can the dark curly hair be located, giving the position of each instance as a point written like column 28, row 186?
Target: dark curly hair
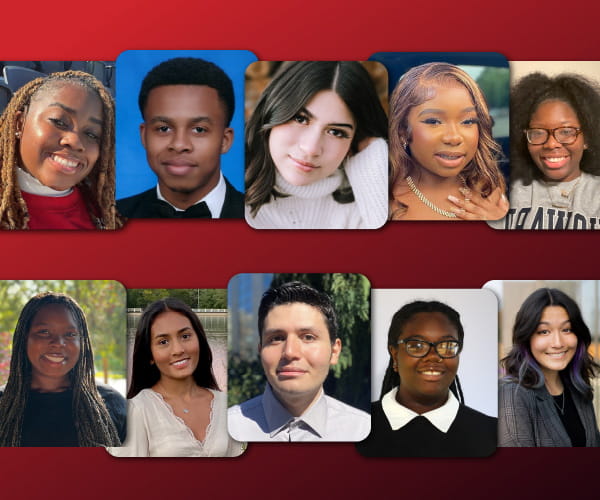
column 190, row 71
column 582, row 94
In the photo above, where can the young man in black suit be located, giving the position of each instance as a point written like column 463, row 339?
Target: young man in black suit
column 187, row 105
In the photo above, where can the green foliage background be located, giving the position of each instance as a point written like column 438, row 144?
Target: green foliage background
column 349, row 380
column 103, row 302
column 193, row 297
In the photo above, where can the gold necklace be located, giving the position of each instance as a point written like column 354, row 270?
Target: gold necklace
column 426, row 202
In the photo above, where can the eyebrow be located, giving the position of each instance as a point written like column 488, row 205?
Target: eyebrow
column 166, row 119
column 548, row 322
column 443, row 111
column 181, row 330
column 346, row 125
column 73, row 111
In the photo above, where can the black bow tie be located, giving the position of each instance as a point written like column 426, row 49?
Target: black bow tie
column 163, row 210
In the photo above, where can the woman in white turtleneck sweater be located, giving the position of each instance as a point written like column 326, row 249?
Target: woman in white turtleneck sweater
column 316, row 150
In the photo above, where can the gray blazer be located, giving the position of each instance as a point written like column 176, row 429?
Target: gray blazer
column 528, row 417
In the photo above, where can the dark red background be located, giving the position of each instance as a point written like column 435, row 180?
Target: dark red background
column 198, row 254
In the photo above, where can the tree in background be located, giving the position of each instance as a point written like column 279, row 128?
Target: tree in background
column 193, row 297
column 102, row 301
column 349, row 380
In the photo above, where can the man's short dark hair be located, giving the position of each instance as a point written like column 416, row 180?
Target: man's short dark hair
column 189, row 71
column 297, row 292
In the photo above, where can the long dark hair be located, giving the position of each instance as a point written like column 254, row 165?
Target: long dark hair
column 294, row 85
column 92, row 420
column 581, row 94
column 144, row 373
column 521, row 366
column 399, row 321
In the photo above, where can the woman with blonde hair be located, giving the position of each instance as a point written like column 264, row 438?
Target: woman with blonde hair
column 444, row 161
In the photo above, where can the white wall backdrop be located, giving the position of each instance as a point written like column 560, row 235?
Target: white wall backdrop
column 478, row 368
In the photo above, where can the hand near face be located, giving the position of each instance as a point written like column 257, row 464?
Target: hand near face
column 476, row 207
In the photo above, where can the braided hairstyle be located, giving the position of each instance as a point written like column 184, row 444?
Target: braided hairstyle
column 98, row 188
column 92, row 421
column 399, row 321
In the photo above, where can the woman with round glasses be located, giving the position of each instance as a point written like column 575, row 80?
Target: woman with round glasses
column 546, row 397
column 421, row 411
column 555, row 148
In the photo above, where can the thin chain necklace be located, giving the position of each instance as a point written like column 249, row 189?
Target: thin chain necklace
column 165, row 396
column 560, row 408
column 426, row 202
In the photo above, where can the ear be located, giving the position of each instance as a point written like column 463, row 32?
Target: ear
column 151, row 361
column 336, row 349
column 20, row 120
column 227, row 140
column 143, row 134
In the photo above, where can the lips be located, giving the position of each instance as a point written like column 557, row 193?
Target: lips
column 304, row 166
column 55, row 358
column 178, row 166
column 450, row 159
column 290, row 371
column 555, row 162
column 66, row 164
column 556, row 355
column 181, row 363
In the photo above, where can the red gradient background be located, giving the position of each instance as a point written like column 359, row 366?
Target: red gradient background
column 202, row 254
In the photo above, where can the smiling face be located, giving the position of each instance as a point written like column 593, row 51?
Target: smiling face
column 444, row 131
column 60, row 135
column 174, row 345
column 296, row 352
column 424, row 382
column 315, row 142
column 53, row 347
column 556, row 161
column 554, row 343
column 184, row 134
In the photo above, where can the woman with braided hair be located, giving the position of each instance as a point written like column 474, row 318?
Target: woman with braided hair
column 421, row 412
column 51, row 397
column 57, row 161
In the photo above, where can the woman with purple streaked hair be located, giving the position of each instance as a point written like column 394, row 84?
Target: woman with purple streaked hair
column 546, row 397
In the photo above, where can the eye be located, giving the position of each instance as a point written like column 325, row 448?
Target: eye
column 568, row 329
column 93, row 136
column 200, row 130
column 431, row 121
column 59, row 123
column 72, row 335
column 543, row 331
column 275, row 339
column 163, row 129
column 301, row 118
column 309, row 337
column 339, row 133
column 471, row 121
column 42, row 333
column 186, row 336
column 163, row 342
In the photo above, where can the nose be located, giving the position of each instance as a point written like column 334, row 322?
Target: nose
column 556, row 339
column 176, row 347
column 180, row 142
column 292, row 347
column 72, row 140
column 551, row 142
column 452, row 135
column 310, row 142
column 433, row 354
column 57, row 340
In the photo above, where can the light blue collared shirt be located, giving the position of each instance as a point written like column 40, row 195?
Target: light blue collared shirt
column 264, row 418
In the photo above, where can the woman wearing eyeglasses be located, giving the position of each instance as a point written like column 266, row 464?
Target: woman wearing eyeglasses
column 555, row 148
column 421, row 413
